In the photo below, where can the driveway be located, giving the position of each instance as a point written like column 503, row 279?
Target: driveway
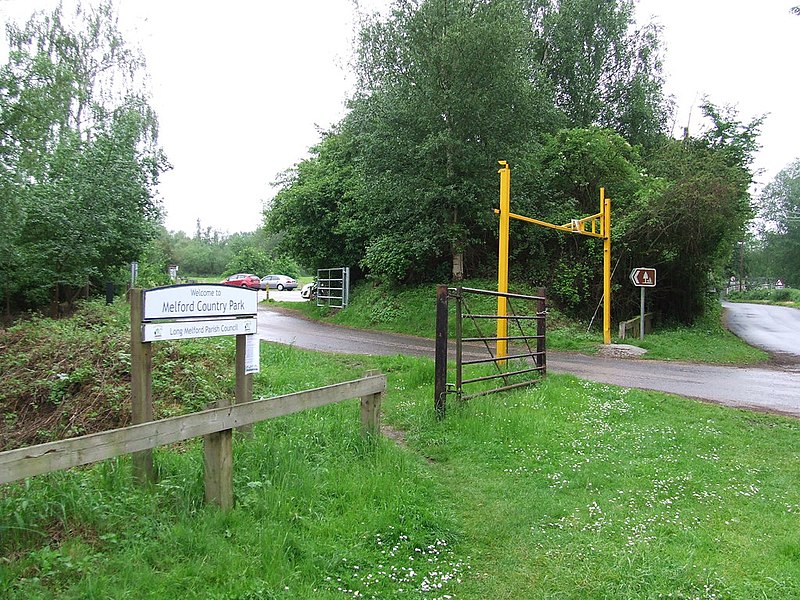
column 771, row 389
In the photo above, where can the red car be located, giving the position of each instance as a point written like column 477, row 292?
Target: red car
column 245, row 280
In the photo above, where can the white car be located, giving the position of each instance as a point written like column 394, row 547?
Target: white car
column 309, row 290
column 278, row 282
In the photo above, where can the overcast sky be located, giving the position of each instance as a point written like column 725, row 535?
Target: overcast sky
column 241, row 88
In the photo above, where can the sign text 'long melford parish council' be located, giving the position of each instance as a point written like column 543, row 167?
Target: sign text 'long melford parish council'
column 180, row 330
column 199, row 301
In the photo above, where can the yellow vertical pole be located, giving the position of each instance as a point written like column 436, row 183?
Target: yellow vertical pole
column 605, row 209
column 502, row 261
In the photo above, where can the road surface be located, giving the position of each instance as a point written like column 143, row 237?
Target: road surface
column 776, row 329
column 772, row 389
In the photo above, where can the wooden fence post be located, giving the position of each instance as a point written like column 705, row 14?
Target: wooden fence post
column 218, row 462
column 141, row 386
column 371, row 411
column 440, row 366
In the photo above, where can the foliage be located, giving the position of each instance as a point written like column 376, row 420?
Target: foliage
column 68, row 377
column 570, row 94
column 779, row 209
column 211, row 253
column 312, row 211
column 785, row 296
column 80, row 155
column 248, row 260
column 692, row 213
column 604, row 71
column 152, row 270
column 560, row 182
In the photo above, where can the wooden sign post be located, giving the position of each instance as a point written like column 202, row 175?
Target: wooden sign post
column 141, row 387
column 190, row 311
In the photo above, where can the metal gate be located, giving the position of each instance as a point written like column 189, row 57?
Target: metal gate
column 526, row 354
column 333, row 287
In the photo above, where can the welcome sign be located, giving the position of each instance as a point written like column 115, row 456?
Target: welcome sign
column 195, row 301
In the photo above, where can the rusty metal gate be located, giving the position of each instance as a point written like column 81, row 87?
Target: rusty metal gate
column 524, row 364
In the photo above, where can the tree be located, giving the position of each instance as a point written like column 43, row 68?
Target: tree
column 312, row 213
column 779, row 207
column 559, row 182
column 446, row 87
column 603, row 71
column 694, row 210
column 79, row 151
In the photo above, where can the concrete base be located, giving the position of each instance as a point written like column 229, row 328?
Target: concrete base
column 621, row 351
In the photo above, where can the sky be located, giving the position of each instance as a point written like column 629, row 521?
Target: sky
column 243, row 88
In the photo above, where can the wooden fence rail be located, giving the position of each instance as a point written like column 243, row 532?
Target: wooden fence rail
column 63, row 454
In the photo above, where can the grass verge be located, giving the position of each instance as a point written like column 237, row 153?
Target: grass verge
column 783, row 297
column 411, row 311
column 565, row 490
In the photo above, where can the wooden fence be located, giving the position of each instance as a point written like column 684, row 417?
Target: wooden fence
column 215, row 424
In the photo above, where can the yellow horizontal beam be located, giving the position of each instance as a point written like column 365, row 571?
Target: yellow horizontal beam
column 569, row 228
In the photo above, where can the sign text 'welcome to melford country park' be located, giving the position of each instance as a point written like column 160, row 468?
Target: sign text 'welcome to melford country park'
column 199, row 301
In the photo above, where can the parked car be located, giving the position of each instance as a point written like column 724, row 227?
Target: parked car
column 278, row 282
column 309, row 290
column 247, row 280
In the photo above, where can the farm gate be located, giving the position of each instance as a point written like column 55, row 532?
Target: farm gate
column 526, row 317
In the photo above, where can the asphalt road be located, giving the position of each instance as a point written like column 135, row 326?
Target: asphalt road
column 776, row 329
column 770, row 389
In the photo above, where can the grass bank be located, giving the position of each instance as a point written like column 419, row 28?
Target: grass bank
column 411, row 310
column 783, row 297
column 566, row 490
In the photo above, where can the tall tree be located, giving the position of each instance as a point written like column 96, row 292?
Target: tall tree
column 605, row 71
column 313, row 212
column 694, row 210
column 81, row 142
column 779, row 208
column 446, row 87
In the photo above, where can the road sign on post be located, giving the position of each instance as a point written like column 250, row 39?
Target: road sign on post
column 642, row 277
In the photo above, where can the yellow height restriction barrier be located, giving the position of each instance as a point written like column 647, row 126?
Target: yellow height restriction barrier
column 597, row 225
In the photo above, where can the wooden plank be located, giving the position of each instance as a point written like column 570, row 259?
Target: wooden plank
column 63, row 454
column 218, row 465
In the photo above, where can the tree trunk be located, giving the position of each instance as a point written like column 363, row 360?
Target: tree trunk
column 54, row 303
column 458, row 265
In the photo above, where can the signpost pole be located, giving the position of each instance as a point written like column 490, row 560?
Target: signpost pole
column 642, row 277
column 641, row 313
column 141, row 386
column 244, row 381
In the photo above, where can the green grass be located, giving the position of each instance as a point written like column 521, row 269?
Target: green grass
column 707, row 341
column 566, row 490
column 411, row 311
column 783, row 297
